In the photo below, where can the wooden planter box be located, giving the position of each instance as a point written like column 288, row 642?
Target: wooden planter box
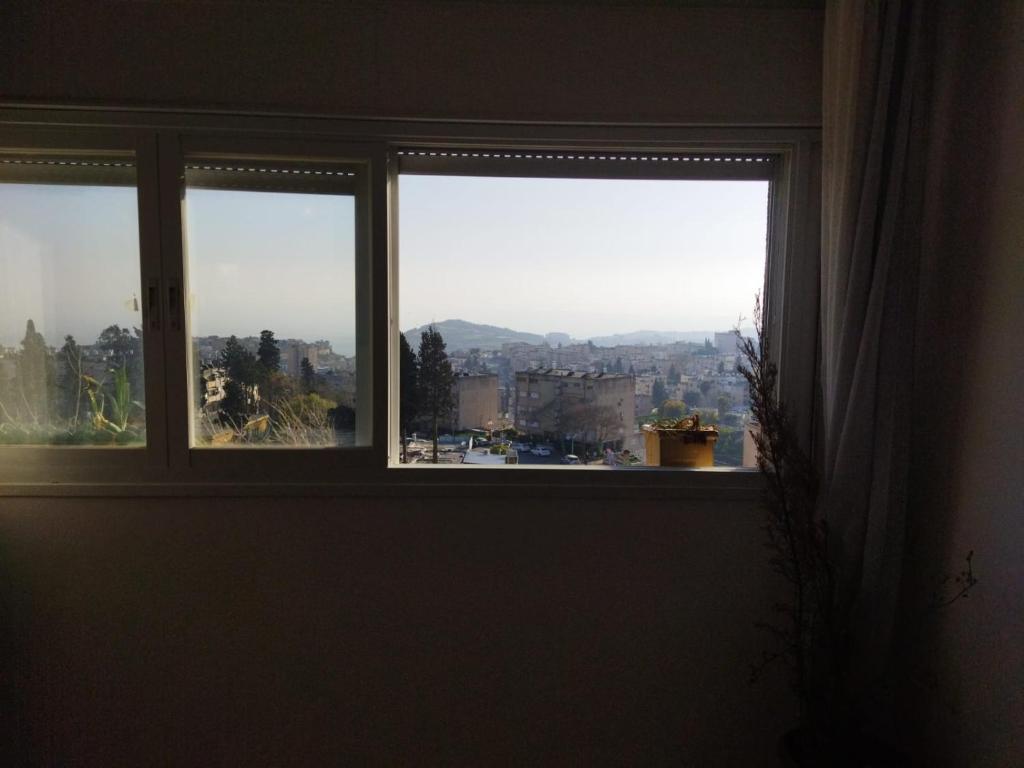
column 680, row 447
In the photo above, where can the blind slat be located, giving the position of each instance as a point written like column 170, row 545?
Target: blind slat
column 585, row 164
column 260, row 177
column 93, row 171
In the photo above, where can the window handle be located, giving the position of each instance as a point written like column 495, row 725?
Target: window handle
column 173, row 306
column 153, row 304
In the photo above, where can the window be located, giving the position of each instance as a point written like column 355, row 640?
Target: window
column 71, row 338
column 593, row 292
column 271, row 271
column 139, row 245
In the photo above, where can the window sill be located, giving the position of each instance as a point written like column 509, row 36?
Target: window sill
column 437, row 481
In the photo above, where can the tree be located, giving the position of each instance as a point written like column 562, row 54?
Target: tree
column 238, row 362
column 591, row 423
column 658, row 393
column 242, row 374
column 124, row 350
column 709, row 348
column 69, row 381
column 269, row 353
column 632, row 370
column 307, row 375
column 117, row 344
column 275, row 387
column 408, row 376
column 672, row 409
column 673, row 374
column 435, row 381
column 608, row 427
column 692, row 397
column 725, row 404
column 617, row 366
column 705, row 387
column 35, row 376
column 721, row 366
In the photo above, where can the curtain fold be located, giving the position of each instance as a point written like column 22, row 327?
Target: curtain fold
column 871, row 180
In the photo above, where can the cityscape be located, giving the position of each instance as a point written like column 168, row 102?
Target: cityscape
column 555, row 274
column 558, row 400
column 510, row 399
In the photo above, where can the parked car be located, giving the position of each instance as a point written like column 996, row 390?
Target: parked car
column 571, row 458
column 540, row 450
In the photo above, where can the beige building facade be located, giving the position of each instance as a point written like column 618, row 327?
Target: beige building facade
column 476, row 401
column 556, row 402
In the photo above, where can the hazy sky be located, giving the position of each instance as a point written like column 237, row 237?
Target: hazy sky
column 586, row 257
column 282, row 261
column 69, row 260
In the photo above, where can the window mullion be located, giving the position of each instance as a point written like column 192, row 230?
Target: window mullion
column 173, row 293
column 153, row 314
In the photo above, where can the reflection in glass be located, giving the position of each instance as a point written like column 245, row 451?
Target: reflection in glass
column 71, row 367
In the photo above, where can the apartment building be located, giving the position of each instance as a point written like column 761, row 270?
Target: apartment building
column 293, row 354
column 558, row 402
column 476, row 401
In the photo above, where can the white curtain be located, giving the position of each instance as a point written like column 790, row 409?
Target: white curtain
column 871, row 185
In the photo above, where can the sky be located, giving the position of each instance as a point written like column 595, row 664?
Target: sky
column 69, row 261
column 274, row 260
column 578, row 256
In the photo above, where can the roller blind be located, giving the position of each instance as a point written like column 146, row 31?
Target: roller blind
column 584, row 164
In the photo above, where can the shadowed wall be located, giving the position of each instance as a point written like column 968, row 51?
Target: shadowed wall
column 457, row 631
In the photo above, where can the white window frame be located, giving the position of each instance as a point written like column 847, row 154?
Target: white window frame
column 791, row 278
column 168, row 466
column 31, row 464
column 283, row 465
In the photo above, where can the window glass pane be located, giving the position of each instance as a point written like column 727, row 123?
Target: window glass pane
column 547, row 320
column 71, row 366
column 271, row 276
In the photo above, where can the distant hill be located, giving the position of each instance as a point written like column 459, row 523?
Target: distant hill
column 660, row 337
column 463, row 335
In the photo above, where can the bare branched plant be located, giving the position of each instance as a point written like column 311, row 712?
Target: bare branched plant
column 805, row 628
column 812, row 635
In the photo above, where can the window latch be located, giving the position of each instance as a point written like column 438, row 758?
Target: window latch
column 153, row 304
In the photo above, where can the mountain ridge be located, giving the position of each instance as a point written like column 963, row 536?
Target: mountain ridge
column 464, row 335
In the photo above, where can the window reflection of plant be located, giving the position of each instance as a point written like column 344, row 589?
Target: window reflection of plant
column 120, row 404
column 112, row 417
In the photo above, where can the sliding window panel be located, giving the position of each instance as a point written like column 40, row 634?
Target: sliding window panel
column 527, row 279
column 275, row 302
column 81, row 394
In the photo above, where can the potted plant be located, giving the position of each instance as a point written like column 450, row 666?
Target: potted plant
column 681, row 442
